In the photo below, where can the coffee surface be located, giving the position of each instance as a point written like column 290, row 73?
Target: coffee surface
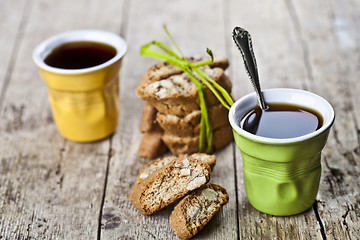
column 78, row 55
column 281, row 121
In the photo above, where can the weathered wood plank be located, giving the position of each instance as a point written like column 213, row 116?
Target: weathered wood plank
column 194, row 29
column 13, row 17
column 275, row 44
column 336, row 69
column 49, row 187
column 282, row 63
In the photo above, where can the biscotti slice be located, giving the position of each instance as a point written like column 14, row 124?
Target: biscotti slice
column 149, row 168
column 152, row 145
column 164, row 70
column 220, row 62
column 148, row 118
column 169, row 183
column 209, row 159
column 187, row 145
column 194, row 211
column 156, row 164
column 189, row 125
column 178, row 95
column 156, row 72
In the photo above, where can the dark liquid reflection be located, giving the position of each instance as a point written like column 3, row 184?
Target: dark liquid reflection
column 281, row 121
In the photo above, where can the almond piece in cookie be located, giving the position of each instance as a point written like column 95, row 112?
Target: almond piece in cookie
column 156, row 164
column 148, row 118
column 168, row 184
column 178, row 95
column 194, row 211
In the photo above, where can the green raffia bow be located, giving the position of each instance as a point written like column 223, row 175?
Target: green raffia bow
column 188, row 67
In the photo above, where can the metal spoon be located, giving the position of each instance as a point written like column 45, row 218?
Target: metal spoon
column 242, row 40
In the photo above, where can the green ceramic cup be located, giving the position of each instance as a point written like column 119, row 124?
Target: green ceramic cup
column 281, row 176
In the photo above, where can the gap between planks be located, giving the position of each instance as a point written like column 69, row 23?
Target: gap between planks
column 123, row 33
column 226, row 19
column 109, row 156
column 15, row 49
column 305, row 49
column 320, row 222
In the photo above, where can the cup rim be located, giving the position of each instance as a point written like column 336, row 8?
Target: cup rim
column 326, row 125
column 45, row 47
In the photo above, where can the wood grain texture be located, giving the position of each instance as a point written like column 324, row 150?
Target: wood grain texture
column 316, row 59
column 51, row 188
column 120, row 219
column 281, row 64
column 339, row 190
column 13, row 19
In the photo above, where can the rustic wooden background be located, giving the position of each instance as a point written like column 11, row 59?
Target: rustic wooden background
column 51, row 188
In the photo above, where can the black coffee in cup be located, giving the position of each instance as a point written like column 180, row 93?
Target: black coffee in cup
column 78, row 55
column 281, row 121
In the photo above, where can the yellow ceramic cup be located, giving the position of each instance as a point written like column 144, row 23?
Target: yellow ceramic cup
column 84, row 102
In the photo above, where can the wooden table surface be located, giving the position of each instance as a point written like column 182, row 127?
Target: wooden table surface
column 52, row 188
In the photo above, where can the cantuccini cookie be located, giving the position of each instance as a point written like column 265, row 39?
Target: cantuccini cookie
column 178, row 95
column 173, row 105
column 187, row 145
column 152, row 145
column 194, row 211
column 148, row 118
column 189, row 125
column 156, row 164
column 209, row 159
column 169, row 183
column 164, row 70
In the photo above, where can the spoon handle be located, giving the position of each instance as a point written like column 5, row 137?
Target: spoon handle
column 243, row 41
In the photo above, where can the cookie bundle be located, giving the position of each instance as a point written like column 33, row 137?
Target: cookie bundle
column 171, row 115
column 165, row 180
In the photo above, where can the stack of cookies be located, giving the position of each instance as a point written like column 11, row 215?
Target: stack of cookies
column 171, row 115
column 165, row 180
